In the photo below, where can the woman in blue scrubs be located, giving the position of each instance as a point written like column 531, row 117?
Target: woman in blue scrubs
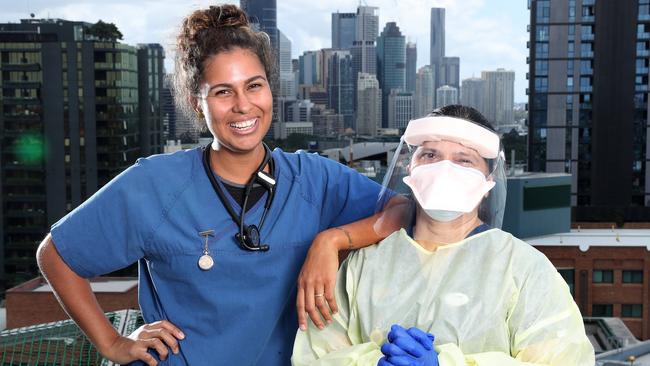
column 220, row 233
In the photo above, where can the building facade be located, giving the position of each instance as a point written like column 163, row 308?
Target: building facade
column 499, row 96
column 588, row 103
column 607, row 270
column 369, row 105
column 446, row 95
column 400, row 108
column 425, row 94
column 472, row 93
column 391, row 64
column 71, row 111
column 344, row 29
column 411, row 66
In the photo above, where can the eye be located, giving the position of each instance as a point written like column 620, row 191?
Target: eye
column 465, row 162
column 220, row 93
column 255, row 86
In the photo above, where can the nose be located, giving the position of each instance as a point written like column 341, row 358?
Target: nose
column 242, row 103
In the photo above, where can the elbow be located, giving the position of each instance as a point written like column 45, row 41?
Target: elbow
column 44, row 253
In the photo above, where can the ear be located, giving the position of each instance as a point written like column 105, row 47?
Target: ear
column 194, row 102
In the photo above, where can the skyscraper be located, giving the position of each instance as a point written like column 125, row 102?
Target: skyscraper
column 588, row 103
column 391, row 64
column 340, row 86
column 364, row 52
column 472, row 93
column 71, row 113
column 287, row 83
column 447, row 68
column 263, row 13
column 499, row 96
column 437, row 37
column 425, row 94
column 400, row 108
column 369, row 105
column 151, row 73
column 449, row 72
column 411, row 66
column 446, row 95
column 344, row 29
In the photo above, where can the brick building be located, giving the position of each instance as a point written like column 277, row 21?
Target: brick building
column 608, row 272
column 33, row 302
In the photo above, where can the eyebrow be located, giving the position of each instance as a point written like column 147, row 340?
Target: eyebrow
column 228, row 85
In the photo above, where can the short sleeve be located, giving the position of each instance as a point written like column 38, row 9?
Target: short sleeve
column 109, row 230
column 348, row 195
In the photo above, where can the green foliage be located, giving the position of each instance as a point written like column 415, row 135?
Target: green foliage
column 293, row 142
column 512, row 141
column 104, row 31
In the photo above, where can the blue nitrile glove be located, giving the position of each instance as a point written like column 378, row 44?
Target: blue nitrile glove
column 411, row 347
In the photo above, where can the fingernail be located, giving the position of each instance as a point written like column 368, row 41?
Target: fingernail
column 181, row 335
column 329, row 321
column 321, row 327
column 303, row 327
column 335, row 312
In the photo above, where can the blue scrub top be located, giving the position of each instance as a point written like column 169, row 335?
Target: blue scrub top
column 242, row 311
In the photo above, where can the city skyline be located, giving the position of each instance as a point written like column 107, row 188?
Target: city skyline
column 494, row 30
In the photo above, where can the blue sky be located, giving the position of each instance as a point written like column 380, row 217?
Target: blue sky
column 485, row 34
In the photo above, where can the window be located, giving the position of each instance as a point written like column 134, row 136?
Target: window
column 633, row 276
column 603, row 276
column 541, row 84
column 569, row 276
column 542, row 33
column 570, row 49
column 632, row 310
column 569, row 83
column 602, row 310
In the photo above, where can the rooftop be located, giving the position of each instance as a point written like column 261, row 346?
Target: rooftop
column 586, row 238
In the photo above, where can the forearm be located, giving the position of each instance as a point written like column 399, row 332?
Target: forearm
column 368, row 231
column 75, row 296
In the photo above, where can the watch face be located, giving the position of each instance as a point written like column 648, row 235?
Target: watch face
column 254, row 235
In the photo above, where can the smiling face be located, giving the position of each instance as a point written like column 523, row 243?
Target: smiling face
column 236, row 99
column 435, row 151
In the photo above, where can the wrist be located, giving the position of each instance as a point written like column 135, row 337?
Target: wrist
column 107, row 346
column 344, row 239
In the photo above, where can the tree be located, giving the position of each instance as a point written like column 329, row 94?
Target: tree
column 104, row 31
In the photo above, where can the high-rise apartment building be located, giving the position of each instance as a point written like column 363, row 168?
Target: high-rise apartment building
column 499, row 96
column 340, row 86
column 446, row 95
column 425, row 94
column 369, row 105
column 588, row 103
column 472, row 93
column 400, row 108
column 70, row 122
column 449, row 72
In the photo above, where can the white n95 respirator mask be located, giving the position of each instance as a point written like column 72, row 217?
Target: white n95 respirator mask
column 446, row 190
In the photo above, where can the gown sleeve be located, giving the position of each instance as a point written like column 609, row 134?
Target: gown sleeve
column 340, row 343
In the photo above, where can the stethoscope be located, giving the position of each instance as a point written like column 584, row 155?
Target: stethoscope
column 248, row 236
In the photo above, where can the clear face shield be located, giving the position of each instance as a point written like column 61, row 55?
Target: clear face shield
column 450, row 170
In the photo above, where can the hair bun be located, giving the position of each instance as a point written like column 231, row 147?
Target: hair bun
column 227, row 16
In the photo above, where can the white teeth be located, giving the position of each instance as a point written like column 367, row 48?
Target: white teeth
column 243, row 124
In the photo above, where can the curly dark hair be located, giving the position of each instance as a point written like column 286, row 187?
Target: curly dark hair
column 207, row 32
